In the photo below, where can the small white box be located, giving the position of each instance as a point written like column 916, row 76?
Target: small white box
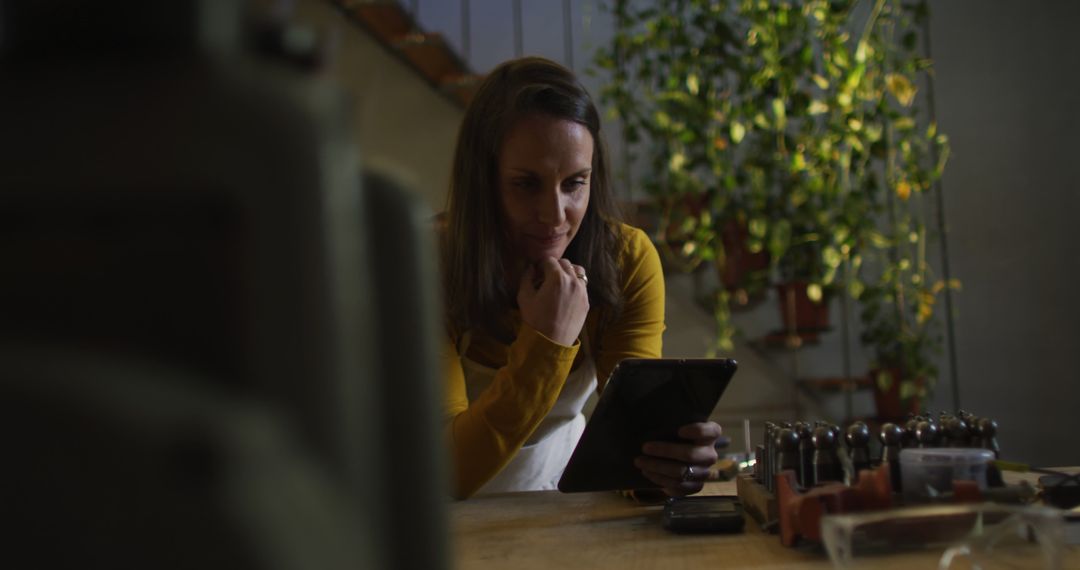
column 927, row 473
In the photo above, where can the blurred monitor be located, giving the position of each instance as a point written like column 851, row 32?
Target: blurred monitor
column 216, row 337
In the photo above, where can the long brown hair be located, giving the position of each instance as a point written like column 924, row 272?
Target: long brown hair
column 476, row 295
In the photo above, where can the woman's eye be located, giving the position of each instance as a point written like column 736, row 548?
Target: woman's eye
column 524, row 183
column 575, row 184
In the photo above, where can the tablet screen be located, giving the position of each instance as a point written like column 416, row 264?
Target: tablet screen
column 644, row 400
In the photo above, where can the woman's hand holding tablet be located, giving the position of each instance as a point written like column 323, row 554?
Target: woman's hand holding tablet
column 651, row 427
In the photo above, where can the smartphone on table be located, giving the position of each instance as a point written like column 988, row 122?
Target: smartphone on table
column 698, row 514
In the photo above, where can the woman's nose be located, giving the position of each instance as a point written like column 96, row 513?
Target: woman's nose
column 550, row 210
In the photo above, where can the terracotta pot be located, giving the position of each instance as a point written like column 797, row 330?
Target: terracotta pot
column 798, row 312
column 889, row 405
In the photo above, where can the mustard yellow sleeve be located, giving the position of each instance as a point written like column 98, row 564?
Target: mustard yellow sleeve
column 483, row 435
column 639, row 329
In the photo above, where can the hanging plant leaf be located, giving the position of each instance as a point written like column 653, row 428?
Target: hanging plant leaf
column 901, row 88
column 831, row 257
column 856, row 289
column 692, row 84
column 903, row 190
column 884, row 380
column 779, row 113
column 779, row 239
column 878, row 240
column 738, row 131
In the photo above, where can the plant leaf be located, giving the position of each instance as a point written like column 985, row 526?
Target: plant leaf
column 738, row 131
column 903, row 190
column 908, row 389
column 780, row 113
column 692, row 84
column 901, row 88
column 663, row 120
column 758, row 227
column 831, row 257
column 884, row 380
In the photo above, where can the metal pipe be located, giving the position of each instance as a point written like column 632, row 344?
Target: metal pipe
column 466, row 46
column 620, row 71
column 849, row 387
column 568, row 34
column 939, row 190
column 519, row 48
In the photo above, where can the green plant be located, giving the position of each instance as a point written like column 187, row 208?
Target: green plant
column 898, row 312
column 793, row 120
column 669, row 73
column 897, row 290
column 899, row 325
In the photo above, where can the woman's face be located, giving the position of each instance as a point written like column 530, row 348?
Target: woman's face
column 545, row 167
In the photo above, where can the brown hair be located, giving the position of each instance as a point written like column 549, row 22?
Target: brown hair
column 475, row 293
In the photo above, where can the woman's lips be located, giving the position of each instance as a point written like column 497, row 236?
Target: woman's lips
column 547, row 241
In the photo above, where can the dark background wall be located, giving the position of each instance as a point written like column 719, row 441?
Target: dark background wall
column 1007, row 90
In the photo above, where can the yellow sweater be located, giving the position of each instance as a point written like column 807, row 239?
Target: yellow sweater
column 484, row 435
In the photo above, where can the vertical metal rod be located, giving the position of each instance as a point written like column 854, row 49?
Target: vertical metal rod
column 794, row 343
column 849, row 386
column 568, row 34
column 796, row 403
column 939, row 190
column 746, row 439
column 519, row 47
column 620, row 71
column 466, row 44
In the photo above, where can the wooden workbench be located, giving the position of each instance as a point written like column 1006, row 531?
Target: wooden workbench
column 549, row 530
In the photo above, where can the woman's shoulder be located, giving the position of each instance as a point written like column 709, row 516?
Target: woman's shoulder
column 638, row 259
column 635, row 244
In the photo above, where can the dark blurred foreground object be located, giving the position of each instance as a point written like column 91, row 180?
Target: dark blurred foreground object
column 1061, row 490
column 205, row 359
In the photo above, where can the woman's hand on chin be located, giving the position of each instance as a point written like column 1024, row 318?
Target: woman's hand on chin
column 554, row 299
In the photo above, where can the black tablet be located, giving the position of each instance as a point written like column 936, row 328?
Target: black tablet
column 644, row 400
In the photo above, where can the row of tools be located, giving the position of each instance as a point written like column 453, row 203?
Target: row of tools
column 821, row 452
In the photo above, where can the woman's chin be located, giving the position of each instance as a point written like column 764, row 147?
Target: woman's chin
column 538, row 254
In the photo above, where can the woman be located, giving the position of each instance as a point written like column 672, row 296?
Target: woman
column 545, row 290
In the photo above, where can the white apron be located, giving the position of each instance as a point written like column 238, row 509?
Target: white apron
column 539, row 464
